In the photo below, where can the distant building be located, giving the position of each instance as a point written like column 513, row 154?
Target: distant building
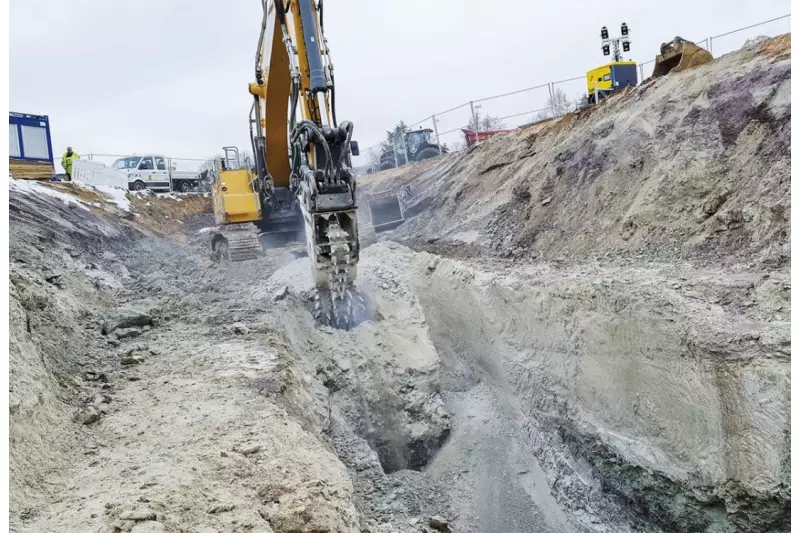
column 30, row 151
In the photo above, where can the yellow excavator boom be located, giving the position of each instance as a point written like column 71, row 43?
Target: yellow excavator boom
column 302, row 180
column 302, row 153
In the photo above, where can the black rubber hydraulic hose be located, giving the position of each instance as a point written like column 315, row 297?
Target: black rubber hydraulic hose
column 348, row 126
column 259, row 50
column 333, row 83
column 316, row 134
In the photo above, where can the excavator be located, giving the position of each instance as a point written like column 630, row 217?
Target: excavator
column 302, row 179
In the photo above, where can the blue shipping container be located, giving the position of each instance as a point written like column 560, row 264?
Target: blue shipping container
column 29, row 138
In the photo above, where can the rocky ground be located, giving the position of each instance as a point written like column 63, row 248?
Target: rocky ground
column 603, row 369
column 669, row 206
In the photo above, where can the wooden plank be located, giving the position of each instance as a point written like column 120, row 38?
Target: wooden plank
column 30, row 170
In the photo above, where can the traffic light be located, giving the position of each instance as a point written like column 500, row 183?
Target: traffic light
column 624, row 29
column 626, row 46
column 604, row 32
column 606, row 50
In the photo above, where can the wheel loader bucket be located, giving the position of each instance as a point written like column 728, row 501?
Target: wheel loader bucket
column 385, row 210
column 679, row 55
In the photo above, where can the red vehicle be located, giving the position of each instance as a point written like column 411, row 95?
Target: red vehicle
column 472, row 137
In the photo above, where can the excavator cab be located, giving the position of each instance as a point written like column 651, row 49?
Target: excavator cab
column 679, row 54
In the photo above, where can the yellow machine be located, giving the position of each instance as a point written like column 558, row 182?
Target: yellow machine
column 602, row 81
column 303, row 179
column 236, row 203
column 678, row 55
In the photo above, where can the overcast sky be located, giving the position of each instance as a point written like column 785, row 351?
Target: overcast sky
column 171, row 75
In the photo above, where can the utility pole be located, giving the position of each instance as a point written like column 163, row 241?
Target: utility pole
column 474, row 119
column 436, row 131
column 477, row 122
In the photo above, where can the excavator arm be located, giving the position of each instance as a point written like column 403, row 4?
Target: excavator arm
column 299, row 146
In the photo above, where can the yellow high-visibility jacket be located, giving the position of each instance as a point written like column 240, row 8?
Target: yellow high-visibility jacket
column 66, row 161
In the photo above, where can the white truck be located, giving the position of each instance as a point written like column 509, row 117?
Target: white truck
column 156, row 172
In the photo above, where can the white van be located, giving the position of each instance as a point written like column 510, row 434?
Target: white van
column 152, row 171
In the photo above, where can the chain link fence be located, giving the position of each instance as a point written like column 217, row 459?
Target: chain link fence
column 553, row 99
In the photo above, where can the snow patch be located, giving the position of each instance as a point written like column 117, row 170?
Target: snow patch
column 146, row 192
column 34, row 187
column 118, row 195
column 172, row 197
column 202, row 231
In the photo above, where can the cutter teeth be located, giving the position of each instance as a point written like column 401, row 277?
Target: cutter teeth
column 334, row 301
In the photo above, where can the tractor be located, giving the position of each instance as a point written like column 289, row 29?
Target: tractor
column 418, row 145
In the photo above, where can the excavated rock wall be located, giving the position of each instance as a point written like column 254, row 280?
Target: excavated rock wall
column 650, row 343
column 52, row 243
column 679, row 402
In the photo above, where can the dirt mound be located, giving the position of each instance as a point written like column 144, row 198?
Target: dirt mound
column 166, row 214
column 692, row 165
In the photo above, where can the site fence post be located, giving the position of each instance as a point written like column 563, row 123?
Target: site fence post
column 474, row 118
column 436, row 131
column 552, row 100
column 711, row 44
column 641, row 72
column 394, row 150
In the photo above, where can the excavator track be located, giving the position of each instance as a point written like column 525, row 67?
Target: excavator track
column 236, row 245
column 339, row 304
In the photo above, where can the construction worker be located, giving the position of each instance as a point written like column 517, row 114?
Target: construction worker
column 66, row 161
